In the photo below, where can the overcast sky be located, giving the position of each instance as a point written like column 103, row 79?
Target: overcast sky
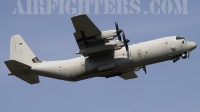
column 167, row 87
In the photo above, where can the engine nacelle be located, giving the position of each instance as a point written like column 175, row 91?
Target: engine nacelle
column 107, row 35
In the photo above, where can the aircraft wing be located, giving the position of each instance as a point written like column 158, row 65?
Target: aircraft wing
column 85, row 33
column 129, row 75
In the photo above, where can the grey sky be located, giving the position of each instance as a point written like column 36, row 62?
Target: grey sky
column 167, row 87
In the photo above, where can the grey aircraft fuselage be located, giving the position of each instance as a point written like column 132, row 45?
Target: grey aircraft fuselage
column 116, row 62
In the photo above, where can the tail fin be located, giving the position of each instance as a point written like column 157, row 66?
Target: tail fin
column 21, row 60
column 20, row 51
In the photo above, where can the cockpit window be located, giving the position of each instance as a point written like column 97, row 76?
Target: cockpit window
column 183, row 42
column 180, row 38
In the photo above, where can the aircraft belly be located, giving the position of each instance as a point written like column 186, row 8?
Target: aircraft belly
column 63, row 70
column 106, row 68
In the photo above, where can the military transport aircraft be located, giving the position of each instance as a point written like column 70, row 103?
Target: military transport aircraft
column 101, row 55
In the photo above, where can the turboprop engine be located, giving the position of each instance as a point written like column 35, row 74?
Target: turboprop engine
column 110, row 34
column 107, row 35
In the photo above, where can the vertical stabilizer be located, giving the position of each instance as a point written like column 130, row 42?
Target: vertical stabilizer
column 20, row 51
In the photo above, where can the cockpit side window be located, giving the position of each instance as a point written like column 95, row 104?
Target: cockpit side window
column 180, row 38
column 183, row 42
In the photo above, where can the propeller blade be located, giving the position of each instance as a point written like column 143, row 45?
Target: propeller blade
column 124, row 38
column 116, row 25
column 123, row 35
column 126, row 41
column 127, row 49
column 145, row 70
column 188, row 54
column 118, row 31
column 119, row 37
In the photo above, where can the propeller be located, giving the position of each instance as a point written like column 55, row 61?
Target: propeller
column 118, row 31
column 188, row 54
column 145, row 70
column 126, row 41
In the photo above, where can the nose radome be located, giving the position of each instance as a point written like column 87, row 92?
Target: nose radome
column 191, row 46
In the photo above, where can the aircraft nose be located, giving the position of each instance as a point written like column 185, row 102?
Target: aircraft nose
column 191, row 46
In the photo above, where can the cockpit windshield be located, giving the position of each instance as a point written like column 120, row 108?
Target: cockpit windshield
column 180, row 38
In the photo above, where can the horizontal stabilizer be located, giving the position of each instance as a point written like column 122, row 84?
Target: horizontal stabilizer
column 17, row 68
column 22, row 71
column 29, row 78
column 128, row 75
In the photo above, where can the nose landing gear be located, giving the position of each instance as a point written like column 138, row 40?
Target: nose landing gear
column 184, row 56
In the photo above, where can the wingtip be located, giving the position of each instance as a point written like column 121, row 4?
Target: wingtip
column 78, row 15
